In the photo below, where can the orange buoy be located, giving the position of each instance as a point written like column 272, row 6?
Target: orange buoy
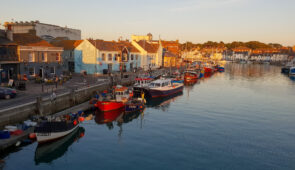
column 81, row 135
column 81, row 119
column 32, row 135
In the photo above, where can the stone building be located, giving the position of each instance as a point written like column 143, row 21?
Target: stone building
column 37, row 58
column 45, row 31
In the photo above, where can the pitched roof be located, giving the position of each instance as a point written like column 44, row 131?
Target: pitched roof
column 27, row 39
column 128, row 45
column 105, row 45
column 67, row 44
column 149, row 47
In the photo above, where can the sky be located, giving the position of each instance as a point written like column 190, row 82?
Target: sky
column 197, row 21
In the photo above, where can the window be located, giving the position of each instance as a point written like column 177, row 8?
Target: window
column 31, row 57
column 44, row 57
column 115, row 57
column 31, row 71
column 110, row 57
column 131, row 56
column 103, row 57
column 136, row 57
column 125, row 55
column 57, row 56
column 52, row 70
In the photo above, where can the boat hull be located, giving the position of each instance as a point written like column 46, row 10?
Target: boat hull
column 221, row 69
column 51, row 136
column 208, row 70
column 134, row 107
column 109, row 105
column 154, row 93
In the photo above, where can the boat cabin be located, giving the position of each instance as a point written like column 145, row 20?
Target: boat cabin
column 122, row 93
column 160, row 83
column 141, row 82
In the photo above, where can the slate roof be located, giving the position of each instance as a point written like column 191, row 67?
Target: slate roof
column 149, row 47
column 27, row 39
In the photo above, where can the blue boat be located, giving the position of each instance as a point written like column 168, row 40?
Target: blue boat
column 221, row 69
column 134, row 105
column 292, row 71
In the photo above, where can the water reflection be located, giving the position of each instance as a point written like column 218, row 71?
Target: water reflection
column 46, row 153
column 108, row 117
column 162, row 103
column 250, row 70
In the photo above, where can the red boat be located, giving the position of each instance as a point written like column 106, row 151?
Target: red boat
column 190, row 75
column 208, row 68
column 121, row 96
column 106, row 117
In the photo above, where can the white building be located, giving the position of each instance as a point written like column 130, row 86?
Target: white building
column 44, row 31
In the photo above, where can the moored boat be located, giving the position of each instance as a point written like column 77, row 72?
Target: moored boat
column 52, row 129
column 134, row 105
column 108, row 104
column 163, row 87
column 292, row 71
column 190, row 75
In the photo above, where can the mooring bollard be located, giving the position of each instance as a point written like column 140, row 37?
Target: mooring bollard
column 39, row 105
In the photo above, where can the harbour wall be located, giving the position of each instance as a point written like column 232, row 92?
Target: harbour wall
column 48, row 106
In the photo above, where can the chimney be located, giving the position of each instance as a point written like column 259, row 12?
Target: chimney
column 9, row 35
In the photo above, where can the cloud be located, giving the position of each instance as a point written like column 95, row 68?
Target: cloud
column 204, row 4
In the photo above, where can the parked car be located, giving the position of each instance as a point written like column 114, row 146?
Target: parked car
column 7, row 93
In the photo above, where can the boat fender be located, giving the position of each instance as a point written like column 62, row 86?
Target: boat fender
column 32, row 136
column 75, row 122
column 81, row 119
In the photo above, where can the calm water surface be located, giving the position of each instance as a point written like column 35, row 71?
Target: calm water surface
column 241, row 119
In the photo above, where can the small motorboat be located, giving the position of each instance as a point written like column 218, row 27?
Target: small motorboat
column 292, row 71
column 54, row 128
column 163, row 87
column 134, row 105
column 221, row 69
column 208, row 68
column 190, row 75
column 122, row 95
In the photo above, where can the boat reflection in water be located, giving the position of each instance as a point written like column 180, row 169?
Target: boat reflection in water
column 108, row 117
column 163, row 102
column 46, row 153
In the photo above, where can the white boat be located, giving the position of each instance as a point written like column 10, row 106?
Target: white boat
column 47, row 131
column 163, row 87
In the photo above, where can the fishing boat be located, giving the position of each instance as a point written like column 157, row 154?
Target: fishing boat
column 208, row 68
column 292, row 71
column 55, row 128
column 190, row 75
column 111, row 102
column 163, row 87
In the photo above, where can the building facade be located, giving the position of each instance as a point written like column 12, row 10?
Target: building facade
column 68, row 59
column 9, row 63
column 37, row 58
column 99, row 56
column 42, row 30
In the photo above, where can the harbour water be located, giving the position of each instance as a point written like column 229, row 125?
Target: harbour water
column 243, row 118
